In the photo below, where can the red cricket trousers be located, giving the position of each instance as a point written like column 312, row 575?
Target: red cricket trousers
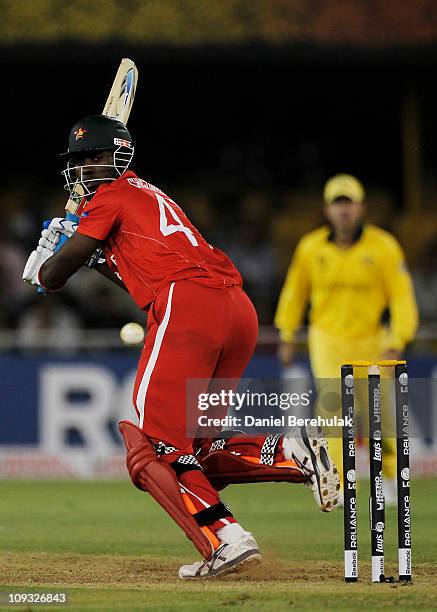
column 193, row 332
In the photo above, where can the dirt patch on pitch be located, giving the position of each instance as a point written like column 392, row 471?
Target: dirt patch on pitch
column 106, row 570
column 91, row 570
column 273, row 569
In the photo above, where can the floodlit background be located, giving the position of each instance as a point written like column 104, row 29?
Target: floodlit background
column 243, row 111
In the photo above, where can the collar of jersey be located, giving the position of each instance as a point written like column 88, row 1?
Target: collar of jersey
column 357, row 235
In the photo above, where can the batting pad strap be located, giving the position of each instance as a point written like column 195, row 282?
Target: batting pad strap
column 268, row 449
column 210, row 515
column 185, row 463
column 220, row 443
column 217, row 445
column 162, row 448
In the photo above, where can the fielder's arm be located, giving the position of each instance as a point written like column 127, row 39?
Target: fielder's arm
column 401, row 299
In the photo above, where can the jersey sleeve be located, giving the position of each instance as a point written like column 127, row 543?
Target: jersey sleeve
column 294, row 295
column 101, row 216
column 401, row 298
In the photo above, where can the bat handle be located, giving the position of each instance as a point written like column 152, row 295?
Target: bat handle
column 62, row 240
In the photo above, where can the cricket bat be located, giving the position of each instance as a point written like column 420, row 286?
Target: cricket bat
column 118, row 106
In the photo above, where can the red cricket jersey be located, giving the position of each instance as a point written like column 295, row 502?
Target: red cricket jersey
column 149, row 241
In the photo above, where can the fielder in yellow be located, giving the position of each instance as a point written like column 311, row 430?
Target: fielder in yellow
column 349, row 272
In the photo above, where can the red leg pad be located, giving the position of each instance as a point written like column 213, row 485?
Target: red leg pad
column 223, row 468
column 158, row 479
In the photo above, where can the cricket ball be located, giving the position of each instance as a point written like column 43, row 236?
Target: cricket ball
column 132, row 333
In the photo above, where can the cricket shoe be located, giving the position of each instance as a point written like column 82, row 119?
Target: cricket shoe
column 308, row 447
column 226, row 559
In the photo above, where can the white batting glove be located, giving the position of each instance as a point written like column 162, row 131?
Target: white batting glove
column 62, row 226
column 34, row 263
column 46, row 247
column 50, row 237
column 49, row 240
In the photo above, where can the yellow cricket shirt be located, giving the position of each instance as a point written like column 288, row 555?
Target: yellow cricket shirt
column 349, row 288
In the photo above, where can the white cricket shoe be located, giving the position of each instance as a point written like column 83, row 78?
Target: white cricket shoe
column 308, row 447
column 227, row 558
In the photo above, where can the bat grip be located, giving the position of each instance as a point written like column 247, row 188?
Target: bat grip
column 62, row 240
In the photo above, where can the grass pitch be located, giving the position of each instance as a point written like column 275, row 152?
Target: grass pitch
column 110, row 547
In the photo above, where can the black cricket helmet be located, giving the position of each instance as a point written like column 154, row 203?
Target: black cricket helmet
column 97, row 133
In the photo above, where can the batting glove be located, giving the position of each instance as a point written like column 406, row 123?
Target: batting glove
column 34, row 263
column 62, row 226
column 47, row 245
column 49, row 240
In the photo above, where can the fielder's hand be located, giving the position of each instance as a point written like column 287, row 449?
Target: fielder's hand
column 286, row 352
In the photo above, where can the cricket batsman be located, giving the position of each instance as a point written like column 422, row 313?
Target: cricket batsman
column 200, row 325
column 349, row 272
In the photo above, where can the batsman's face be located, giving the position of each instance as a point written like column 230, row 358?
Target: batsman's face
column 95, row 166
column 91, row 169
column 344, row 215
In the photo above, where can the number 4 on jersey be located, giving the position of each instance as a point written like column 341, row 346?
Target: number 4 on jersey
column 170, row 228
